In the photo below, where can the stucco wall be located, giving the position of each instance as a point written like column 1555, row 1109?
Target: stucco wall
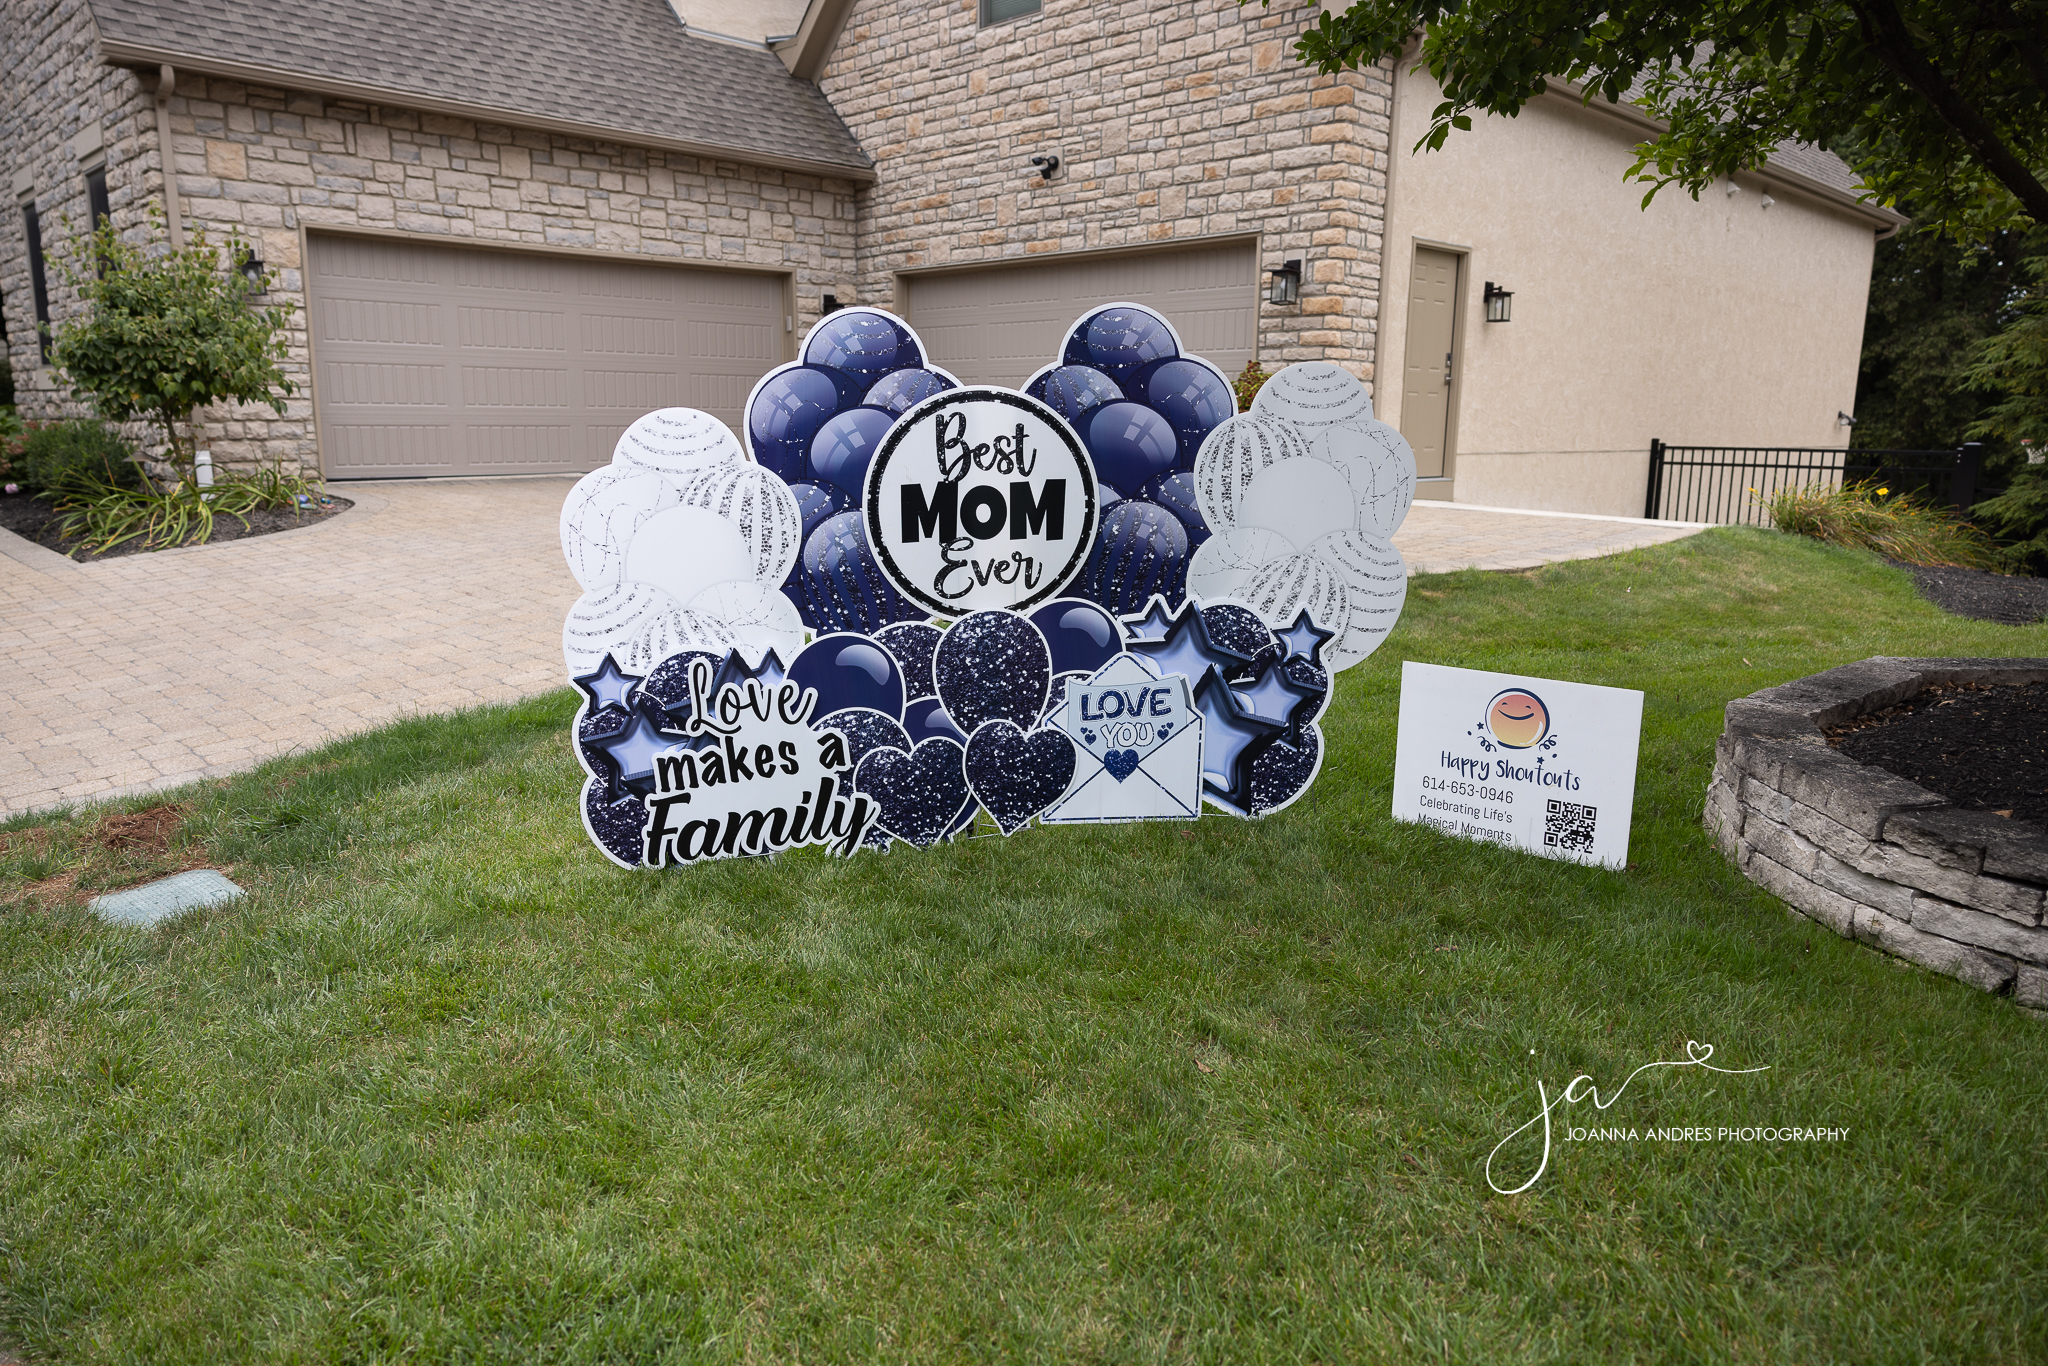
column 273, row 163
column 1171, row 124
column 1709, row 322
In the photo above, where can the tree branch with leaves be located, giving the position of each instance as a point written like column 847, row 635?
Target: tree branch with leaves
column 1942, row 104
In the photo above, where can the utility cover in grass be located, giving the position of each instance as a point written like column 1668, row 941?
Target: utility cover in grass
column 166, row 897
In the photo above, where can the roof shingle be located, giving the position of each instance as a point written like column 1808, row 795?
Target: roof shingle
column 627, row 66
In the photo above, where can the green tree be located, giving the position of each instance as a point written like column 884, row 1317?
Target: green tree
column 1932, row 304
column 1940, row 103
column 167, row 333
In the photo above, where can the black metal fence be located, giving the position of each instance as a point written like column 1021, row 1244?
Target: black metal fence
column 1730, row 484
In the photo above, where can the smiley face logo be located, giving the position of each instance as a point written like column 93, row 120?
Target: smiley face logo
column 1518, row 719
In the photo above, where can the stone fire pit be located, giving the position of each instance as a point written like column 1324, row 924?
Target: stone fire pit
column 1872, row 856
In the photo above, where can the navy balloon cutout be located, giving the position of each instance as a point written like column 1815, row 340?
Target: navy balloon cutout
column 1193, row 398
column 850, row 671
column 845, row 446
column 1141, row 549
column 617, row 822
column 920, row 794
column 1283, row 769
column 862, row 342
column 1176, row 493
column 1119, row 342
column 1082, row 636
column 1014, row 774
column 926, row 718
column 903, row 390
column 844, row 589
column 786, row 413
column 1131, row 444
column 992, row 664
column 1073, row 391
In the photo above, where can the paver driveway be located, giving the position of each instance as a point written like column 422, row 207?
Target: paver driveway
column 152, row 670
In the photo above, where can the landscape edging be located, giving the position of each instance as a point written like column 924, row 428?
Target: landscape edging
column 1870, row 855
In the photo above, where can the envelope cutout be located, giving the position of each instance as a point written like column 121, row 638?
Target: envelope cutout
column 1138, row 743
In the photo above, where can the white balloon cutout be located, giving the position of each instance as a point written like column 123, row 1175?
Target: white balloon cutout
column 685, row 550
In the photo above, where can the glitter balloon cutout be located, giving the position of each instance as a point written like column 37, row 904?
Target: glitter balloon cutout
column 601, row 514
column 992, row 664
column 913, row 643
column 677, row 441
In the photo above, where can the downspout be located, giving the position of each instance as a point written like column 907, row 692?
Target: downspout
column 166, row 82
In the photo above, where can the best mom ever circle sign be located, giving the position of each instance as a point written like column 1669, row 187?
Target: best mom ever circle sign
column 980, row 498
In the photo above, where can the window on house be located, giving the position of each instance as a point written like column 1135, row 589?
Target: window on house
column 997, row 11
column 96, row 201
column 38, row 285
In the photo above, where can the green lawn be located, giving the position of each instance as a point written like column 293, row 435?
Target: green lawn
column 449, row 1087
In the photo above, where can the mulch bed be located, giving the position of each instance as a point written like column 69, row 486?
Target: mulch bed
column 1981, row 745
column 35, row 520
column 2011, row 599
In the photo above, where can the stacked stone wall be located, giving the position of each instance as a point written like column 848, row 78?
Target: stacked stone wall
column 270, row 164
column 1871, row 856
column 1171, row 123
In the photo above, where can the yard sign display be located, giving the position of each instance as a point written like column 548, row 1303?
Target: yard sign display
column 1536, row 764
column 1102, row 596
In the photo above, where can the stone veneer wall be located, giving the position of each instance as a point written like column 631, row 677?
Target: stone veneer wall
column 1872, row 856
column 1170, row 123
column 271, row 163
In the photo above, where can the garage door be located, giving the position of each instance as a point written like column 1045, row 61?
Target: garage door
column 996, row 326
column 449, row 360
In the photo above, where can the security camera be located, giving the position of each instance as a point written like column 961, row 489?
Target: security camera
column 1046, row 165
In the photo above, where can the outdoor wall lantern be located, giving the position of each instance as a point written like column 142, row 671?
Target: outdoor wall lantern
column 1499, row 303
column 1046, row 165
column 829, row 306
column 252, row 271
column 1286, row 285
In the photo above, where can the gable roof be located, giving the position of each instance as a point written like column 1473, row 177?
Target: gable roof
column 619, row 70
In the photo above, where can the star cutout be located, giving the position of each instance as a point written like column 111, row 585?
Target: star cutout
column 633, row 749
column 1274, row 697
column 735, row 670
column 1304, row 637
column 1186, row 648
column 1155, row 624
column 606, row 687
column 1231, row 739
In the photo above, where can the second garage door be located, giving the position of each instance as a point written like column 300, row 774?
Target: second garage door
column 996, row 326
column 452, row 360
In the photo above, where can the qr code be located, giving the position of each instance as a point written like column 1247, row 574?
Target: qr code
column 1567, row 825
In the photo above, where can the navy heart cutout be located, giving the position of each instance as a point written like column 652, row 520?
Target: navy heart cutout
column 1121, row 763
column 918, row 794
column 1015, row 775
column 992, row 664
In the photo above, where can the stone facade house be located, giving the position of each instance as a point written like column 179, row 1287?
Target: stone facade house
column 508, row 228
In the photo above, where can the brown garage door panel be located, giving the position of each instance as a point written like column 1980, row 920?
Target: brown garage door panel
column 432, row 359
column 996, row 326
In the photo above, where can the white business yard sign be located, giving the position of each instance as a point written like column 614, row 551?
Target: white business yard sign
column 1535, row 764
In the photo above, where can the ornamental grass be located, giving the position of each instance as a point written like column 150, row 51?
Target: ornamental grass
column 1907, row 526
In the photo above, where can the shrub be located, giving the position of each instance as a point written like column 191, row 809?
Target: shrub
column 55, row 457
column 103, row 515
column 1249, row 381
column 1907, row 527
column 2019, row 518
